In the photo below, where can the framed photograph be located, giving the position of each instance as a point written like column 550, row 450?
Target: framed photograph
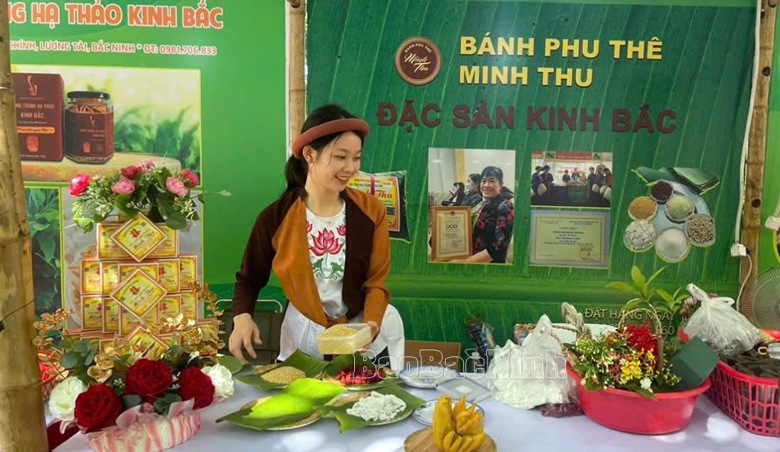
column 450, row 233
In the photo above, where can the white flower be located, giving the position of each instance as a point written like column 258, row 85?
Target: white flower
column 645, row 383
column 62, row 400
column 222, row 380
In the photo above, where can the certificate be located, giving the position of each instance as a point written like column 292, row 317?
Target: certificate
column 450, row 233
column 569, row 239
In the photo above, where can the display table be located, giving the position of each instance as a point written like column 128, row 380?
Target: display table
column 512, row 429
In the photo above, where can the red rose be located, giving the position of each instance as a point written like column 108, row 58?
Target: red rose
column 194, row 384
column 190, row 178
column 97, row 408
column 149, row 379
column 78, row 184
column 131, row 171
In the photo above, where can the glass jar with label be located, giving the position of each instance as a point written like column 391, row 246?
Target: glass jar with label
column 89, row 127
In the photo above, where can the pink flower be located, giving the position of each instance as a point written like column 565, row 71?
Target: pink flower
column 342, row 229
column 190, row 178
column 175, row 186
column 308, row 226
column 123, row 186
column 78, row 184
column 146, row 164
column 325, row 242
column 131, row 171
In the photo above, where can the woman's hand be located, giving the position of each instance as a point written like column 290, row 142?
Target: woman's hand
column 245, row 332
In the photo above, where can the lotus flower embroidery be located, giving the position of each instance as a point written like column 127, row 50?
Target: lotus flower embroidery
column 325, row 242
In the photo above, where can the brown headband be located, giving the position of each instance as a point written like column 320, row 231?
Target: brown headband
column 339, row 125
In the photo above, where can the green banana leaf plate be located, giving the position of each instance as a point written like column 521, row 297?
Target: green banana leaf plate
column 338, row 408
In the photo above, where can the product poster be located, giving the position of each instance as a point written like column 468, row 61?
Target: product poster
column 623, row 120
column 103, row 86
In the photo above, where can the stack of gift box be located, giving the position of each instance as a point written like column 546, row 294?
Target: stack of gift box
column 136, row 281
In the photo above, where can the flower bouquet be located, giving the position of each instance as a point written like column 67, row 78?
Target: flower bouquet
column 155, row 191
column 626, row 379
column 138, row 395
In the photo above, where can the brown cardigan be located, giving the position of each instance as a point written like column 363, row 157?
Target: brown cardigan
column 278, row 241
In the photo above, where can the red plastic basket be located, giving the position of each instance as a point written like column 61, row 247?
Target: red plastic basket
column 630, row 412
column 752, row 402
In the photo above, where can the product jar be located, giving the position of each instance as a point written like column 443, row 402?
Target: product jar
column 89, row 127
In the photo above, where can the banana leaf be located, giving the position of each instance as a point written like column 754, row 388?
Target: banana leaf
column 248, row 417
column 338, row 408
column 290, row 408
column 332, row 369
column 311, row 367
column 231, row 362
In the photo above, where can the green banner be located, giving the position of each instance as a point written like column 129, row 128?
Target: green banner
column 653, row 97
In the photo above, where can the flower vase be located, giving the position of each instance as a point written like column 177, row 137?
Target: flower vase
column 628, row 411
column 141, row 429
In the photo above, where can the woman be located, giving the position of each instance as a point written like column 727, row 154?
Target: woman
column 473, row 195
column 457, row 194
column 328, row 244
column 495, row 220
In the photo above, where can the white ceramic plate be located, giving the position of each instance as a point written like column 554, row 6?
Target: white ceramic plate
column 424, row 414
column 427, row 376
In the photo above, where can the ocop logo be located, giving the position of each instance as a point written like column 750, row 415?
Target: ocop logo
column 418, row 61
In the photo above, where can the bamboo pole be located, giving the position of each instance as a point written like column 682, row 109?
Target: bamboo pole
column 296, row 96
column 21, row 400
column 754, row 181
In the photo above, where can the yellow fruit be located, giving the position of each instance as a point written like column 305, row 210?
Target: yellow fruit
column 465, row 446
column 460, row 406
column 477, row 440
column 442, row 420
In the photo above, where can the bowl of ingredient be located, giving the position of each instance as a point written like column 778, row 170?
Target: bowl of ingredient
column 700, row 230
column 671, row 245
column 642, row 208
column 679, row 208
column 639, row 236
column 661, row 191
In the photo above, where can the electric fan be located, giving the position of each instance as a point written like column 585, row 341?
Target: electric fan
column 760, row 301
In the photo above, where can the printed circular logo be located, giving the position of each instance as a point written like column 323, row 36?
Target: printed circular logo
column 418, row 61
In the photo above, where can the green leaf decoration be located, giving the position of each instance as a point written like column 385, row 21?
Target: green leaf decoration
column 70, row 360
column 338, row 408
column 121, row 202
column 655, row 275
column 161, row 405
column 231, row 363
column 624, row 287
column 311, row 367
column 131, row 400
column 175, row 220
column 639, row 280
column 331, row 371
column 636, row 303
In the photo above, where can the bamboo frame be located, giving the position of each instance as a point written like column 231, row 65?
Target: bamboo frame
column 756, row 157
column 296, row 94
column 22, row 425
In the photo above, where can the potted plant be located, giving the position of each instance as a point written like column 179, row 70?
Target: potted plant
column 645, row 296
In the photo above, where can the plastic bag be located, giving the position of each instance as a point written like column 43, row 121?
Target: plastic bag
column 529, row 375
column 724, row 329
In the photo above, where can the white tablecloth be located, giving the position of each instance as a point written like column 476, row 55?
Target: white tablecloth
column 512, row 429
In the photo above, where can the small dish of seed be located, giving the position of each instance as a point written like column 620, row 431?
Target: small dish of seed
column 700, row 230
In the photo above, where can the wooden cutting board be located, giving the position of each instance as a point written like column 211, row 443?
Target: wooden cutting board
column 422, row 441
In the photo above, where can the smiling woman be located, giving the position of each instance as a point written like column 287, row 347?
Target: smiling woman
column 310, row 227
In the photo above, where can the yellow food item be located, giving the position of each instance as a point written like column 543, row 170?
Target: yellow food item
column 338, row 331
column 458, row 428
column 283, row 375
